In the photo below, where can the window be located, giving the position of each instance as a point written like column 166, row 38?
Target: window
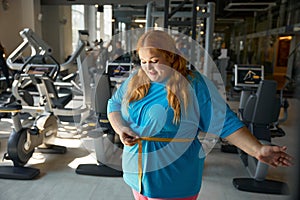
column 77, row 23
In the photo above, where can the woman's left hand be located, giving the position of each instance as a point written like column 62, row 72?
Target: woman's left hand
column 274, row 156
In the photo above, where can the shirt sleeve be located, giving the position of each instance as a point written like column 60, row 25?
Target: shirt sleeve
column 215, row 115
column 232, row 123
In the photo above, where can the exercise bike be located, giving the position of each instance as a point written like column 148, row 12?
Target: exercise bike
column 108, row 146
column 259, row 108
column 24, row 139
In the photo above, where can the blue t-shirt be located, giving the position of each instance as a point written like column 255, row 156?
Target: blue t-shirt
column 172, row 169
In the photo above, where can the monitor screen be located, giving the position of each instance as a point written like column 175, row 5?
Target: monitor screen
column 46, row 70
column 118, row 69
column 248, row 75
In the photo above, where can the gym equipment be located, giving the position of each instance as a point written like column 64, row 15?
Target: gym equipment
column 108, row 147
column 59, row 91
column 104, row 136
column 118, row 68
column 259, row 109
column 246, row 81
column 38, row 47
column 248, row 76
column 24, row 139
column 36, row 134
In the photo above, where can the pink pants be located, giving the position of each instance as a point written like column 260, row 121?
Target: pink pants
column 138, row 196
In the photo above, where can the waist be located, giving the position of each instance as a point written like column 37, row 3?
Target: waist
column 153, row 139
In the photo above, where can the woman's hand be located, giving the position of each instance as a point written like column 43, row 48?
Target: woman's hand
column 274, row 156
column 127, row 136
column 271, row 155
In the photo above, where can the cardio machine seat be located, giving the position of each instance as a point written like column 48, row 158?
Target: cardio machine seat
column 104, row 92
column 262, row 109
column 62, row 101
column 11, row 107
column 263, row 106
column 59, row 101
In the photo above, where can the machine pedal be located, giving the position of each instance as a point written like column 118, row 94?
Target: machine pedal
column 52, row 149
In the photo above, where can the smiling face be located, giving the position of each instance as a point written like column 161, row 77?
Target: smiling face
column 155, row 64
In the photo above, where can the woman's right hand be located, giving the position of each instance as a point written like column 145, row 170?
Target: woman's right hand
column 127, row 136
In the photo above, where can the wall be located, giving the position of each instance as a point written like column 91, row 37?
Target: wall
column 20, row 14
column 9, row 32
column 57, row 30
column 51, row 23
column 66, row 32
column 29, row 15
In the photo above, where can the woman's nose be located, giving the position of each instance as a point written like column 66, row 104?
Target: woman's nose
column 149, row 65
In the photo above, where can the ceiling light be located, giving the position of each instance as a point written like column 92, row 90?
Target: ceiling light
column 140, row 20
column 252, row 6
column 285, row 38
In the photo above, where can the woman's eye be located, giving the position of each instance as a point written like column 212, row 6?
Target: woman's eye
column 151, row 62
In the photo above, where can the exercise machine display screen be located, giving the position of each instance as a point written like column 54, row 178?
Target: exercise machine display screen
column 248, row 75
column 118, row 69
column 42, row 70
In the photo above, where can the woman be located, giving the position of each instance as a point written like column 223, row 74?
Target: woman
column 158, row 113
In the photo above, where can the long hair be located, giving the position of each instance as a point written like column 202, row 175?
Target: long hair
column 177, row 85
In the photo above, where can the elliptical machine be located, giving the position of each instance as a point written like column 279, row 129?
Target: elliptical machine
column 23, row 140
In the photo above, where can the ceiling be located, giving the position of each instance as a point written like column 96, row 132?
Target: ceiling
column 99, row 2
column 228, row 12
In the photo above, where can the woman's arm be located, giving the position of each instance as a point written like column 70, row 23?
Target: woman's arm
column 127, row 136
column 272, row 155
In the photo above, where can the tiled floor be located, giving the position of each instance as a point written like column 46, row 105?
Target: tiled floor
column 58, row 180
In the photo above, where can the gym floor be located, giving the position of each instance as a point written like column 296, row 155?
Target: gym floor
column 58, row 179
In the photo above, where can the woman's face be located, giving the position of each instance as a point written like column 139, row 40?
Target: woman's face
column 155, row 65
